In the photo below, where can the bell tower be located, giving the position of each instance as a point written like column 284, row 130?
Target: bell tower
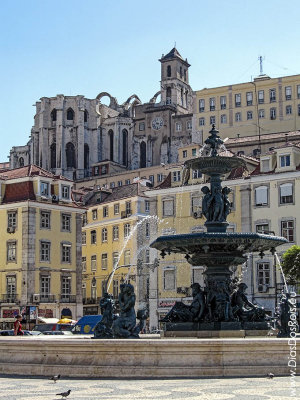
column 175, row 88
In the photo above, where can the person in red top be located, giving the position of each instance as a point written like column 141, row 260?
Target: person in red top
column 18, row 326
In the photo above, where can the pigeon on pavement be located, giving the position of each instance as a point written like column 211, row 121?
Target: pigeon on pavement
column 270, row 375
column 55, row 378
column 64, row 395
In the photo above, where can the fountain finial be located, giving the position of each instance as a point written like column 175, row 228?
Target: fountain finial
column 214, row 143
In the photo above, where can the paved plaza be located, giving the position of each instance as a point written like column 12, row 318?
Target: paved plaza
column 15, row 388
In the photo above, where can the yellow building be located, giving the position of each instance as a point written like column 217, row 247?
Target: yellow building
column 40, row 256
column 117, row 230
column 264, row 106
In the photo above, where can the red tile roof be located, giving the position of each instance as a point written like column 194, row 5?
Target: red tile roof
column 29, row 171
column 18, row 192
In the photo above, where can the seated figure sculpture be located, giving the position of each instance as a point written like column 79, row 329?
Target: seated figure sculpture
column 124, row 325
column 243, row 308
column 188, row 313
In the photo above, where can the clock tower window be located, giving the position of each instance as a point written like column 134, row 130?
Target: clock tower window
column 169, row 71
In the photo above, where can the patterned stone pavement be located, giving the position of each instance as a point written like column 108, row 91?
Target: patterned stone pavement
column 278, row 388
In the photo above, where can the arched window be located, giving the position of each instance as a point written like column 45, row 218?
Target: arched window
column 168, row 100
column 53, row 115
column 70, row 155
column 169, row 71
column 21, row 162
column 125, row 147
column 143, row 153
column 53, row 155
column 86, row 156
column 70, row 114
column 85, row 116
column 181, row 96
column 111, row 145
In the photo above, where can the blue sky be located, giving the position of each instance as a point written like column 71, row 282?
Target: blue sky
column 75, row 47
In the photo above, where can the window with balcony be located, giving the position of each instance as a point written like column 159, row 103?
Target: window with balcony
column 45, row 247
column 249, row 98
column 263, row 276
column 288, row 92
column 11, row 251
column 104, row 235
column 223, row 102
column 104, row 261
column 115, row 232
column 261, row 196
column 272, row 95
column 169, row 279
column 44, row 287
column 93, row 237
column 66, row 222
column 201, row 105
column 45, row 220
column 65, row 288
column 11, row 288
column 126, row 230
column 66, row 253
column 94, row 262
column 212, row 104
column 237, row 98
column 288, row 230
column 286, row 193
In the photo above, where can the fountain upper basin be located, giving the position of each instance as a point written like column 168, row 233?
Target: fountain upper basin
column 215, row 165
column 204, row 248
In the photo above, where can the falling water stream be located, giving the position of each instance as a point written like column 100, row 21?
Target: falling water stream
column 282, row 273
column 115, row 267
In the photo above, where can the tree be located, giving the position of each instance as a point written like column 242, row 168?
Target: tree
column 291, row 264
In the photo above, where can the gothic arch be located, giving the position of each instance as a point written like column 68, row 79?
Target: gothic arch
column 21, row 162
column 53, row 115
column 86, row 156
column 70, row 155
column 154, row 98
column 111, row 144
column 70, row 114
column 125, row 147
column 143, row 155
column 53, row 155
column 113, row 101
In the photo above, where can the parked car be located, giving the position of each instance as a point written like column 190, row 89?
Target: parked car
column 57, row 333
column 86, row 324
column 52, row 327
column 10, row 332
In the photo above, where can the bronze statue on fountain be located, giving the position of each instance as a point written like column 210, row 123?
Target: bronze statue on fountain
column 224, row 304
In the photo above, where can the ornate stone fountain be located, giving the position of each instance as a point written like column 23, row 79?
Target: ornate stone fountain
column 223, row 305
